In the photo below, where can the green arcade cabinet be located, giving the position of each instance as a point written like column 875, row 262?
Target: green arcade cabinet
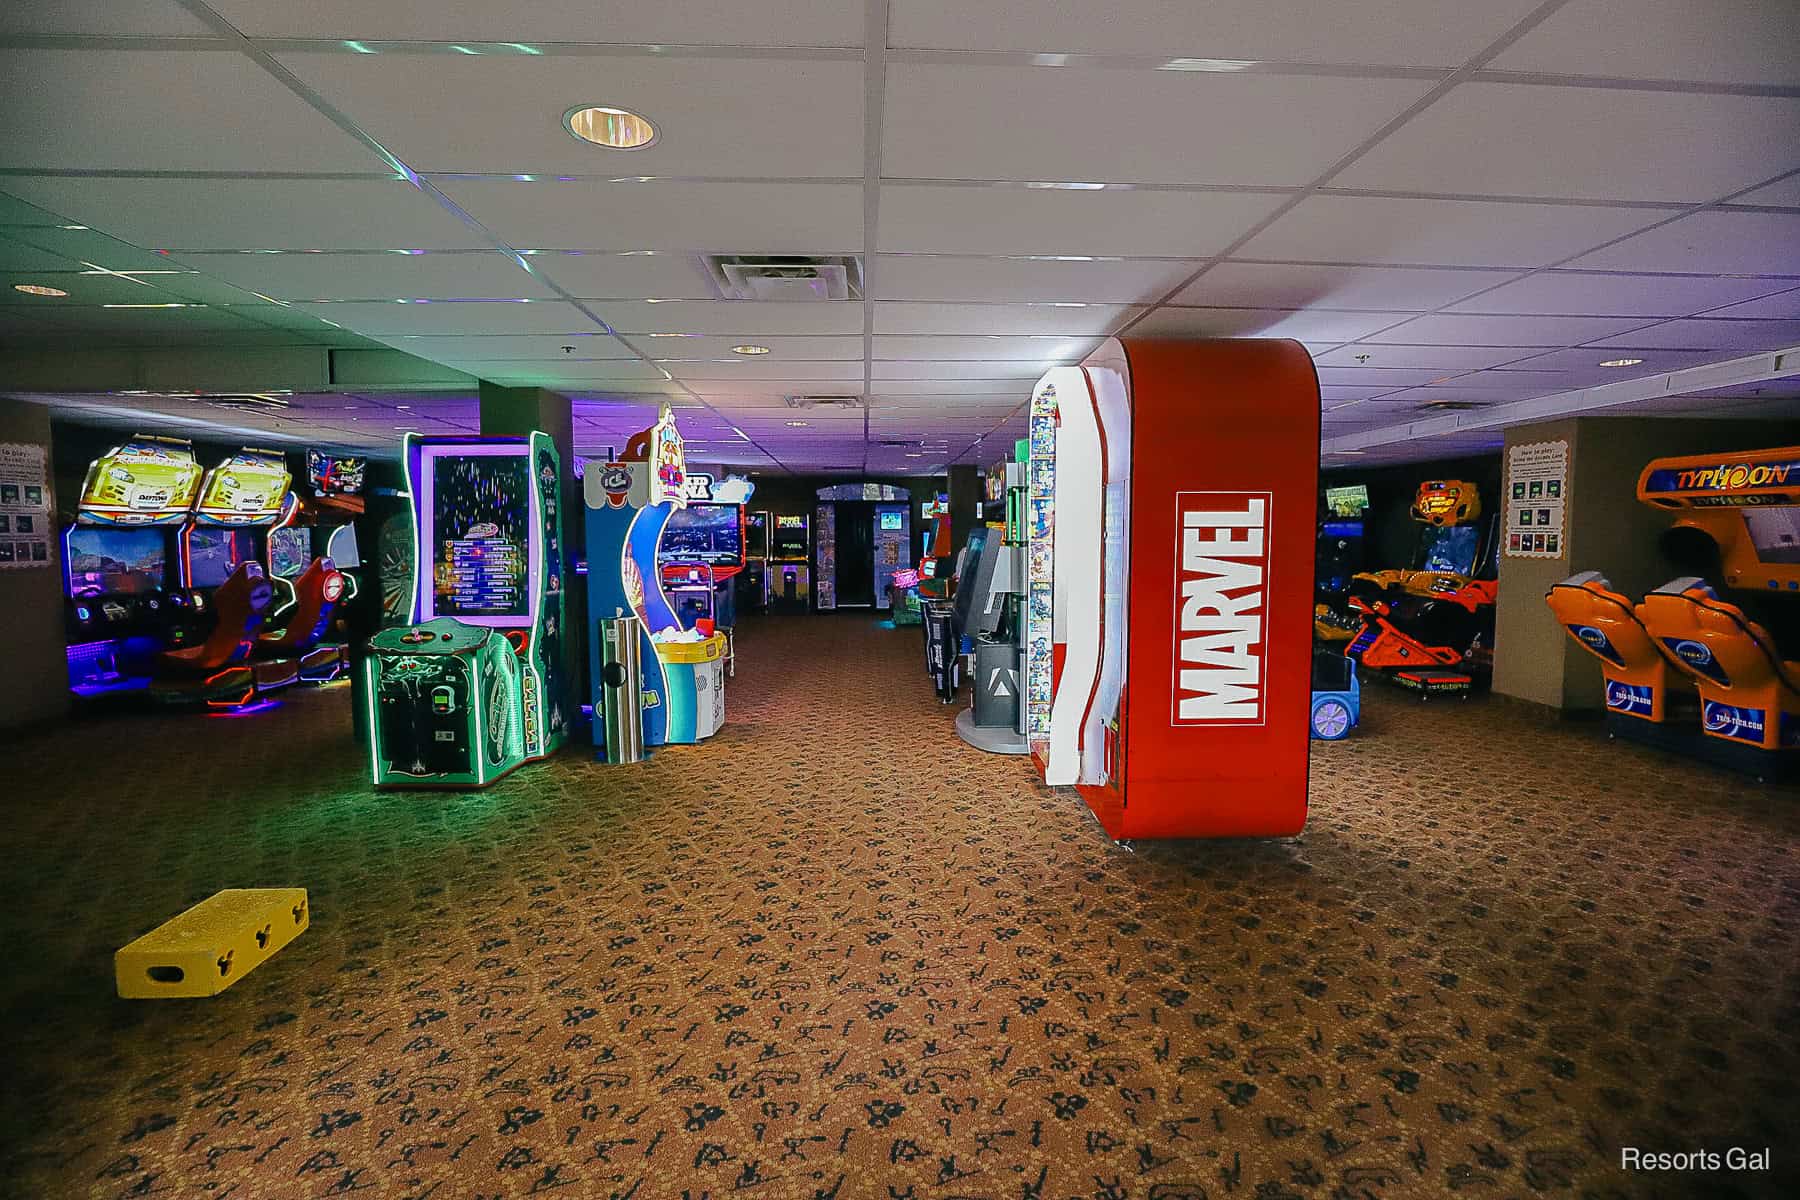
column 472, row 688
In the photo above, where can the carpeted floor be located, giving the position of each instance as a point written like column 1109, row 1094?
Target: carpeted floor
column 835, row 953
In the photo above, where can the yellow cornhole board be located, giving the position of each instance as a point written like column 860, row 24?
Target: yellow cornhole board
column 212, row 945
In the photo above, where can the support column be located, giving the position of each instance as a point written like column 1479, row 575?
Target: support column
column 517, row 412
column 965, row 494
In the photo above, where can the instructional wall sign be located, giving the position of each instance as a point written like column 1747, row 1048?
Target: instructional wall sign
column 24, row 506
column 1537, row 491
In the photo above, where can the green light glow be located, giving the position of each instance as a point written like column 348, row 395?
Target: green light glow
column 360, row 48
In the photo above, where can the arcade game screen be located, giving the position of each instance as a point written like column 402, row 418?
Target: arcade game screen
column 893, row 520
column 290, row 551
column 1451, row 548
column 1347, row 501
column 708, row 533
column 480, row 521
column 213, row 554
column 115, row 561
column 335, row 474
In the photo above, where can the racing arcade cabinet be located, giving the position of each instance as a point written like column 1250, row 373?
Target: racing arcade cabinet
column 473, row 688
column 1176, row 703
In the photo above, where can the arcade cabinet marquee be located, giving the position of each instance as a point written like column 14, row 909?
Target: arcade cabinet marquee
column 1170, row 504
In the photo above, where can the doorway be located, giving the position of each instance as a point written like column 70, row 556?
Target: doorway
column 855, row 554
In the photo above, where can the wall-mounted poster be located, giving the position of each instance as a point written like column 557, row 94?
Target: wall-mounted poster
column 1537, row 492
column 24, row 506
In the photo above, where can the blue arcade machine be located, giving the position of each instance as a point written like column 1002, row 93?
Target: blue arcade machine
column 629, row 506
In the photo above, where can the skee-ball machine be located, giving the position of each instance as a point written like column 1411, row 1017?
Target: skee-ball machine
column 472, row 688
column 1169, row 512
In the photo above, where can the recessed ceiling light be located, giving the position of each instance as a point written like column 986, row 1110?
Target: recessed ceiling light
column 798, row 424
column 613, row 128
column 38, row 289
column 1621, row 362
column 750, row 350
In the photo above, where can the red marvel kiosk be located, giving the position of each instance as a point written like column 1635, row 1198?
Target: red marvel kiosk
column 1172, row 489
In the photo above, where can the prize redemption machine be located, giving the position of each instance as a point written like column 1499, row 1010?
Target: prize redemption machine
column 678, row 694
column 473, row 687
column 124, row 601
column 862, row 536
column 1178, row 705
column 790, row 563
column 1688, row 668
column 1431, row 629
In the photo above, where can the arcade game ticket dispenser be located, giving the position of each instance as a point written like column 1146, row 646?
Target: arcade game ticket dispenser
column 472, row 688
column 681, row 657
column 1171, row 495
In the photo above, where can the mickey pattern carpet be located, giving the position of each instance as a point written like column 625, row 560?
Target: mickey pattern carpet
column 835, row 954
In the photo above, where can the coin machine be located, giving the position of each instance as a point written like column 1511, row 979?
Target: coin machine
column 1177, row 705
column 472, row 687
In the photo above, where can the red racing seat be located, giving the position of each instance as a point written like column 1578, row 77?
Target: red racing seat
column 1604, row 623
column 217, row 669
column 301, row 641
column 1748, row 693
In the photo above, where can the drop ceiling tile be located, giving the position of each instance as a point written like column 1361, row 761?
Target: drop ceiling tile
column 453, row 317
column 161, row 110
column 1320, row 326
column 668, row 22
column 1008, row 220
column 89, row 249
column 952, row 371
column 603, row 276
column 932, row 277
column 243, row 214
column 1580, row 293
column 781, row 349
column 510, row 112
column 482, row 347
column 1340, row 393
column 1461, row 329
column 803, row 376
column 1084, row 319
column 1711, row 243
column 1035, row 123
column 1507, row 139
column 725, row 218
column 1315, row 285
column 1437, row 358
column 1583, row 363
column 387, row 276
column 895, row 389
column 19, row 256
column 1786, row 192
column 1389, row 377
column 746, row 318
column 146, row 325
column 84, row 290
column 1353, row 31
column 1721, row 41
column 1365, row 229
column 1705, row 334
column 1047, row 350
column 109, row 18
column 1780, row 306
column 535, row 373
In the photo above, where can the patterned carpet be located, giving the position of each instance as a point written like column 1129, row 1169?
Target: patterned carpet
column 836, row 954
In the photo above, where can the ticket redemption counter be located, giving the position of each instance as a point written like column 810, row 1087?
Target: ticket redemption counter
column 1171, row 489
column 472, row 688
column 681, row 662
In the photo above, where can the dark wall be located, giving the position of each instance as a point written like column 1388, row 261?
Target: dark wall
column 31, row 601
column 1391, row 534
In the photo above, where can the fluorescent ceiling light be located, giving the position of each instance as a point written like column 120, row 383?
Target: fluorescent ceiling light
column 1621, row 362
column 611, row 128
column 1207, row 64
column 38, row 289
column 749, row 350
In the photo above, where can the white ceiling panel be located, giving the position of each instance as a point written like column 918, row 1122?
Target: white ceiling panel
column 804, row 375
column 1506, row 139
column 452, row 317
column 932, row 277
column 1440, row 232
column 906, row 317
column 1713, row 243
column 1315, row 285
column 947, row 371
column 483, row 347
column 1509, row 377
column 903, row 390
column 509, row 112
column 781, row 349
column 18, row 256
column 1389, row 377
column 1577, row 292
column 1780, row 306
column 1045, row 351
column 728, row 218
column 110, row 18
column 1458, row 329
column 1721, row 41
column 1487, row 392
column 748, row 318
column 392, row 276
column 1353, row 31
column 161, row 110
column 244, row 214
column 1786, row 192
column 633, row 374
column 1706, row 334
column 1010, row 220
column 603, row 276
column 1584, row 362
column 1437, row 358
column 1040, row 123
column 1322, row 326
column 671, row 22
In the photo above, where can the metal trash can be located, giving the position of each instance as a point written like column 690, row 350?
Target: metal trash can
column 942, row 653
column 620, row 694
column 996, row 684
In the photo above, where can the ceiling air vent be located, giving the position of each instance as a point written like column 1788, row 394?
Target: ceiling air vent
column 1450, row 405
column 786, row 276
column 824, row 402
